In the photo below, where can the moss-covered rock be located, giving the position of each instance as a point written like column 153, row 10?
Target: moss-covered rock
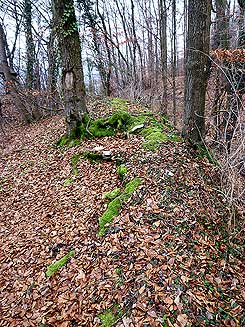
column 155, row 130
column 114, row 206
column 107, row 126
column 130, row 188
column 58, row 264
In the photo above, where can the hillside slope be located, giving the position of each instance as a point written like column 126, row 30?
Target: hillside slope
column 165, row 259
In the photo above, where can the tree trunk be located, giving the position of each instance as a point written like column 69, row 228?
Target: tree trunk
column 163, row 45
column 241, row 41
column 174, row 58
column 220, row 40
column 71, row 62
column 52, row 71
column 221, row 26
column 197, row 69
column 108, row 72
column 30, row 47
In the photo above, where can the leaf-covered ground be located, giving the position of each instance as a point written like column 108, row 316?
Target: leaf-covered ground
column 165, row 261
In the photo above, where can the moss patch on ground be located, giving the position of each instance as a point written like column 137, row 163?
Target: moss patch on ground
column 122, row 171
column 58, row 264
column 114, row 206
column 92, row 156
column 110, row 316
column 74, row 161
column 119, row 104
column 68, row 181
column 113, row 194
column 156, row 134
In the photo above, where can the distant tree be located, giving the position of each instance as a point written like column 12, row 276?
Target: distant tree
column 197, row 69
column 221, row 26
column 241, row 41
column 174, row 57
column 29, row 111
column 30, row 46
column 71, row 63
column 164, row 52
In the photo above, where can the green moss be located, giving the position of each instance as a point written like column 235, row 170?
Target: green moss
column 136, row 121
column 115, row 205
column 119, row 104
column 122, row 121
column 111, row 212
column 122, row 171
column 130, row 188
column 58, row 264
column 154, row 137
column 203, row 151
column 110, row 316
column 113, row 194
column 74, row 161
column 64, row 140
column 107, row 319
column 92, row 156
column 101, row 127
column 107, row 126
column 174, row 138
column 68, row 181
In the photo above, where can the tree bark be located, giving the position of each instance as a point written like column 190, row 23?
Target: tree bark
column 71, row 62
column 241, row 41
column 174, row 57
column 30, row 47
column 163, row 46
column 221, row 26
column 197, row 69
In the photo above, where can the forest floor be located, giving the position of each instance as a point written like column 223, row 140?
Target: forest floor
column 167, row 259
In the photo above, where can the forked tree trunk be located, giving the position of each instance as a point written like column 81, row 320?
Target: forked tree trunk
column 197, row 69
column 71, row 61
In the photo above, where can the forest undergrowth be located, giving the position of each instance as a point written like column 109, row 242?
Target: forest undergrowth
column 164, row 259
